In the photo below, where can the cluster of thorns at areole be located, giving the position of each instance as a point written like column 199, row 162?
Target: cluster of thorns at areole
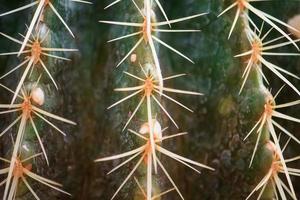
column 31, row 97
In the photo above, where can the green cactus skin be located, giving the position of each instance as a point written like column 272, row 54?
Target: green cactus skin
column 216, row 129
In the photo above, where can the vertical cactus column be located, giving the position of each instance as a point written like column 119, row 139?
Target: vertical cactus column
column 271, row 185
column 150, row 89
column 33, row 94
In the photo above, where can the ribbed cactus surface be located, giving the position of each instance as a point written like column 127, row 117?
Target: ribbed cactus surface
column 173, row 89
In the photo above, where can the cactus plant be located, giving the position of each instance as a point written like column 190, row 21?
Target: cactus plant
column 221, row 64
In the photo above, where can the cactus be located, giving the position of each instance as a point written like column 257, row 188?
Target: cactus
column 186, row 99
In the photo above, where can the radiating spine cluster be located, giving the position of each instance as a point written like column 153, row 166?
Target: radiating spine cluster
column 150, row 91
column 256, row 62
column 28, row 99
